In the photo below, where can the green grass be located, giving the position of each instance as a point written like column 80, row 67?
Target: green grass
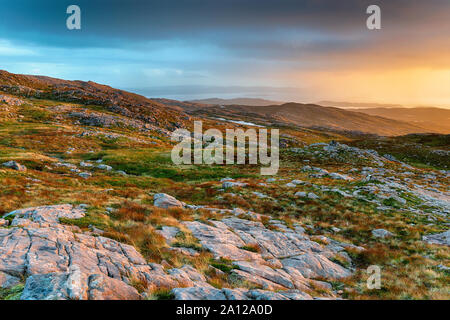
column 249, row 248
column 13, row 293
column 164, row 294
column 35, row 114
column 90, row 219
column 391, row 202
column 157, row 164
column 223, row 264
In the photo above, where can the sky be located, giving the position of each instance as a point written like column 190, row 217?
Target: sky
column 284, row 50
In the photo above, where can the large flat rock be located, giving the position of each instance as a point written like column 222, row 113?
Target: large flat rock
column 286, row 260
column 61, row 262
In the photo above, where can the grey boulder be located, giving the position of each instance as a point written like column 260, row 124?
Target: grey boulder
column 163, row 200
column 15, row 166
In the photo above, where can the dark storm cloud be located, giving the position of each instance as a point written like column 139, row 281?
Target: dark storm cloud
column 198, row 45
column 119, row 23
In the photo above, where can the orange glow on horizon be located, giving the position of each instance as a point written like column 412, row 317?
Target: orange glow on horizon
column 409, row 87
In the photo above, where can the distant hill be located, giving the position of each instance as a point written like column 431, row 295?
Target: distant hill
column 186, row 106
column 170, row 114
column 357, row 105
column 436, row 119
column 237, row 101
column 313, row 116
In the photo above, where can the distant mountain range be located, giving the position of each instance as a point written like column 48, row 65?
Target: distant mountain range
column 237, row 101
column 170, row 114
column 311, row 115
column 357, row 105
column 307, row 115
column 434, row 119
column 431, row 118
column 329, row 114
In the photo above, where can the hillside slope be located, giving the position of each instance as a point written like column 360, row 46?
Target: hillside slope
column 170, row 114
column 310, row 115
column 436, row 119
column 91, row 93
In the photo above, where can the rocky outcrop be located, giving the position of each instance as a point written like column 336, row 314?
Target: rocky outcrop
column 169, row 233
column 287, row 259
column 14, row 165
column 8, row 281
column 339, row 176
column 51, row 254
column 109, row 121
column 233, row 184
column 11, row 101
column 438, row 238
column 310, row 195
column 163, row 200
column 312, row 265
column 382, row 233
column 200, row 293
column 61, row 262
column 76, row 285
column 340, row 153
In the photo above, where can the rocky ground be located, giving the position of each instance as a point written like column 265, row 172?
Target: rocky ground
column 93, row 208
column 63, row 262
